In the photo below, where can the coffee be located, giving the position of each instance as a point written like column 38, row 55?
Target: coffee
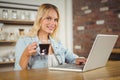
column 44, row 48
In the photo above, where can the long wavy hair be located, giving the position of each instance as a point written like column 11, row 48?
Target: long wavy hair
column 42, row 11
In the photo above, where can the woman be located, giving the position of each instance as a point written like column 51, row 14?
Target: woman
column 44, row 30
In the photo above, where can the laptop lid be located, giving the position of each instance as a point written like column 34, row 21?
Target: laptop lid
column 100, row 51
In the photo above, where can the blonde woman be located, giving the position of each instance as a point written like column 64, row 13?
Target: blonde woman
column 28, row 51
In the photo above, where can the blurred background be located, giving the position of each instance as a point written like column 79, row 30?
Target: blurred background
column 80, row 22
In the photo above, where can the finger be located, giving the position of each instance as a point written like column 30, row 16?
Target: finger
column 32, row 46
column 80, row 61
column 33, row 51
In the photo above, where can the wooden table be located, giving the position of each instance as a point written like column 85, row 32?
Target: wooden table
column 110, row 72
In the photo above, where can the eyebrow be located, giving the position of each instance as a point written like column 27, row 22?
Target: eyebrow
column 51, row 17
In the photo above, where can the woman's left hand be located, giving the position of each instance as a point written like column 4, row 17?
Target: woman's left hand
column 80, row 60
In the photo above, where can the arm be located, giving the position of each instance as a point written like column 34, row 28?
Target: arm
column 71, row 57
column 19, row 49
column 22, row 50
column 29, row 50
column 24, row 59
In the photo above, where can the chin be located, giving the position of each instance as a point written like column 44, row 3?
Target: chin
column 50, row 31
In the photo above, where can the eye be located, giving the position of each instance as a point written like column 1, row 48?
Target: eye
column 56, row 20
column 48, row 18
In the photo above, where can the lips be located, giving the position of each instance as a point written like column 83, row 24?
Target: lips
column 50, row 28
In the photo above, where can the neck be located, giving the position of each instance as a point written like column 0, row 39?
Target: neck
column 43, row 36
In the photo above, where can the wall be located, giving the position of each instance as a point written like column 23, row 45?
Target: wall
column 91, row 17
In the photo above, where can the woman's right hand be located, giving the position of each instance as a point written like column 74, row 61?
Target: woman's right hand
column 31, row 49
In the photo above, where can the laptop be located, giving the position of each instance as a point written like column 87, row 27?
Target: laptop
column 98, row 56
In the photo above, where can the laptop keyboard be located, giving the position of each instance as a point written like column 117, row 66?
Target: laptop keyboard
column 71, row 66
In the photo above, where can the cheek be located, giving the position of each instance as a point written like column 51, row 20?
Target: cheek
column 43, row 27
column 43, row 24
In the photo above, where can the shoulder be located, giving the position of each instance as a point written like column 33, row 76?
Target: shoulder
column 25, row 39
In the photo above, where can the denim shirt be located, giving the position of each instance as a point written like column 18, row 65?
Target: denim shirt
column 62, row 54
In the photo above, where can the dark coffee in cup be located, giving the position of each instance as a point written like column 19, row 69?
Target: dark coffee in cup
column 44, row 48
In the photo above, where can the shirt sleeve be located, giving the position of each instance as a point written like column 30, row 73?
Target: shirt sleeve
column 69, row 56
column 19, row 48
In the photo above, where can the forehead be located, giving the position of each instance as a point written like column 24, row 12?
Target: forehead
column 51, row 13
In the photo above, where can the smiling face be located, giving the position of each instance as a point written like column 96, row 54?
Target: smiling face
column 46, row 22
column 49, row 22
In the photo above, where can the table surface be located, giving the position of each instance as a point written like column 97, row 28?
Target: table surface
column 110, row 72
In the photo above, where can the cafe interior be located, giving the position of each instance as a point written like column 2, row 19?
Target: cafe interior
column 80, row 22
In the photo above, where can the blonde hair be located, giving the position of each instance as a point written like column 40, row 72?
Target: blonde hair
column 42, row 11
